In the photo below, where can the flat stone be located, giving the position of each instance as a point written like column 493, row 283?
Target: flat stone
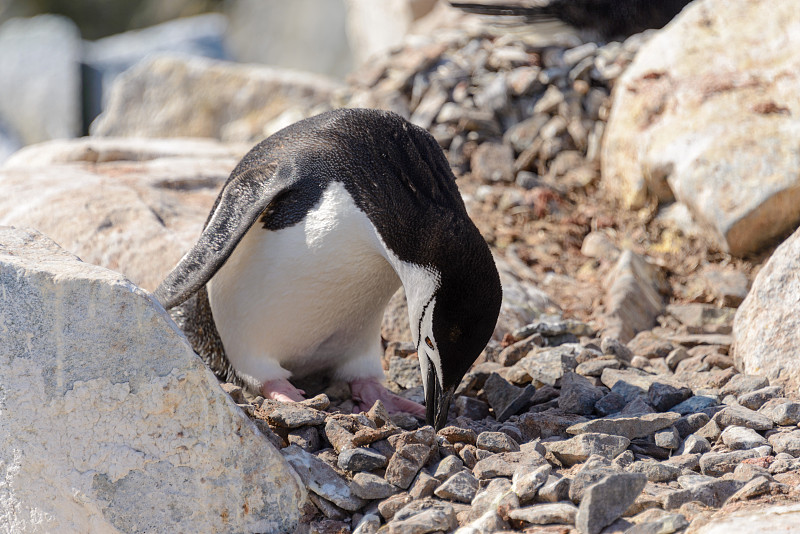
column 782, row 412
column 741, row 416
column 561, row 513
column 361, row 459
column 788, row 442
column 423, row 516
column 548, row 423
column 455, row 434
column 320, row 478
column 685, row 461
column 718, row 463
column 295, row 415
column 496, row 442
column 460, row 487
column 578, row 394
column 505, row 398
column 742, row 383
column 741, row 438
column 713, row 493
column 596, row 367
column 754, row 400
column 369, row 486
column 526, row 483
column 580, row 447
column 604, row 502
column 626, row 426
column 505, row 464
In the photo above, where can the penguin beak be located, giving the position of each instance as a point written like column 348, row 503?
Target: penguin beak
column 437, row 400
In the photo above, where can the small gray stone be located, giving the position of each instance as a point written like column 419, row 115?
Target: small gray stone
column 741, row 416
column 361, row 459
column 741, row 438
column 656, row 471
column 578, row 394
column 505, row 398
column 788, row 442
column 555, row 489
column 668, row 438
column 742, row 383
column 526, row 483
column 547, row 366
column 694, row 444
column 695, row 404
column 710, row 431
column 628, row 426
column 664, row 396
column 595, row 367
column 447, row 467
column 612, row 403
column 689, row 424
column 782, row 412
column 460, row 487
column 755, row 399
column 612, row 347
column 663, row 525
column 562, row 513
column 369, row 486
column 320, row 478
column 423, row 486
column 471, row 408
column 688, row 462
column 306, row 437
column 406, row 463
column 604, row 502
column 623, row 460
column 294, row 415
column 755, row 487
column 638, row 406
column 505, row 464
column 713, row 493
column 676, row 356
column 718, row 463
column 423, row 516
column 496, row 442
column 579, row 448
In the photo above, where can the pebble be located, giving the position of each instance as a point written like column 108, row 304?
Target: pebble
column 423, row 486
column 460, row 487
column 656, row 471
column 694, row 444
column 756, row 399
column 741, row 416
column 695, row 404
column 604, row 502
column 555, row 489
column 294, row 415
column 505, row 398
column 741, row 438
column 389, row 507
column 691, row 423
column 369, row 486
column 782, row 412
column 420, row 517
column 742, row 383
column 788, row 442
column 628, row 426
column 718, row 463
column 544, row 514
column 579, row 448
column 664, row 396
column 525, row 484
column 448, row 466
column 496, row 442
column 578, row 394
column 361, row 459
column 406, row 463
column 505, row 464
column 668, row 438
column 320, row 478
column 712, row 493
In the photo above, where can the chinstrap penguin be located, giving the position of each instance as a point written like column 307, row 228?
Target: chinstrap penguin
column 311, row 235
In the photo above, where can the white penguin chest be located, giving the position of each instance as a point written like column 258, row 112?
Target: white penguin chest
column 306, row 295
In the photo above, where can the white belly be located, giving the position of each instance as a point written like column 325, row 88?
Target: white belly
column 306, row 298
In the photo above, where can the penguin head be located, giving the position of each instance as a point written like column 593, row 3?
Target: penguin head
column 456, row 323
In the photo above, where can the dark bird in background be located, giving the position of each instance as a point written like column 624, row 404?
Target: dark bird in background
column 606, row 18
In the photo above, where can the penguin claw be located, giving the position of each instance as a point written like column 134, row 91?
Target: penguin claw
column 281, row 390
column 366, row 391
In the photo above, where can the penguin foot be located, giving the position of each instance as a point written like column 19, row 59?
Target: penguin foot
column 281, row 390
column 366, row 391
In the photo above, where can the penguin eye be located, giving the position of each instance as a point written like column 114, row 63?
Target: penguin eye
column 429, row 342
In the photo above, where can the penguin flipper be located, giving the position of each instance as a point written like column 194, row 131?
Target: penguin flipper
column 243, row 198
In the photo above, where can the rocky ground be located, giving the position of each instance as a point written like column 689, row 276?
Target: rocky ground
column 623, row 412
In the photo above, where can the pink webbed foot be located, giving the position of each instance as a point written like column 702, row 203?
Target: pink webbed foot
column 366, row 391
column 281, row 390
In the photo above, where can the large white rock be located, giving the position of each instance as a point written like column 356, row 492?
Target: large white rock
column 109, row 422
column 767, row 323
column 178, row 96
column 131, row 205
column 708, row 113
